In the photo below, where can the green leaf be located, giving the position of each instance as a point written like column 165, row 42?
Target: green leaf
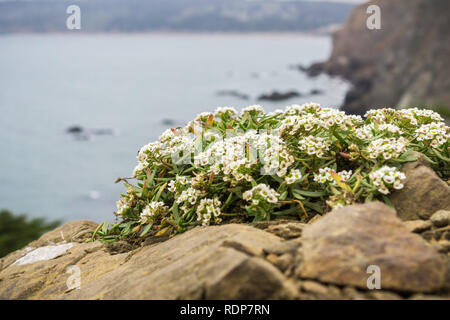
column 237, row 191
column 311, row 194
column 174, row 210
column 105, row 228
column 314, row 206
column 388, row 202
column 297, row 196
column 161, row 189
column 162, row 232
column 440, row 156
column 146, row 229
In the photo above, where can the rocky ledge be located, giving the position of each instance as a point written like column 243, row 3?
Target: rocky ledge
column 332, row 257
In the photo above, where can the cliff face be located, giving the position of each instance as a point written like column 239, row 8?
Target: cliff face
column 403, row 64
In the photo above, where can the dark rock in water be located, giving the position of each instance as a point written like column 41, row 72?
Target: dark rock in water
column 279, row 96
column 233, row 93
column 82, row 134
column 75, row 130
column 316, row 92
column 167, row 122
column 300, row 67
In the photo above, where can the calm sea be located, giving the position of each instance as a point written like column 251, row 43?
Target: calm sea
column 132, row 84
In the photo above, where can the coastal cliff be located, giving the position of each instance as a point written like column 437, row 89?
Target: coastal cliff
column 403, row 64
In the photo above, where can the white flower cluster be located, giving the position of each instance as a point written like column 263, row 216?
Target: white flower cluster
column 236, row 155
column 391, row 128
column 261, row 192
column 366, row 132
column 204, row 116
column 179, row 180
column 324, row 175
column 276, row 156
column 291, row 125
column 152, row 148
column 151, row 210
column 415, row 114
column 331, row 117
column 189, row 195
column 140, row 167
column 176, row 140
column 388, row 148
column 209, row 209
column 387, row 178
column 314, row 145
column 437, row 133
column 256, row 109
column 310, row 116
column 227, row 156
column 380, row 115
column 122, row 205
column 296, row 109
column 293, row 176
column 225, row 111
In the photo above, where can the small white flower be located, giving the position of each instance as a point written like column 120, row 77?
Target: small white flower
column 387, row 178
column 209, row 209
column 294, row 175
column 261, row 192
column 151, row 210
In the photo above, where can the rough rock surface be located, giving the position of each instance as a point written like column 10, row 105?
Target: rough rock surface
column 339, row 248
column 405, row 63
column 281, row 259
column 423, row 194
column 191, row 265
column 441, row 218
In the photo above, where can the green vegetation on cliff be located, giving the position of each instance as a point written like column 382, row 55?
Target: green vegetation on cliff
column 16, row 231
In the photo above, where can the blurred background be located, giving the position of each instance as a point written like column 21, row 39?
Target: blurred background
column 76, row 105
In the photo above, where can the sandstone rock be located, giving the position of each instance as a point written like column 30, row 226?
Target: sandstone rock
column 74, row 231
column 252, row 279
column 281, row 262
column 315, row 290
column 317, row 217
column 437, row 234
column 352, row 293
column 383, row 295
column 278, row 248
column 442, row 246
column 236, row 261
column 339, row 248
column 418, row 226
column 192, row 265
column 287, row 231
column 314, row 287
column 423, row 194
column 441, row 218
column 247, row 249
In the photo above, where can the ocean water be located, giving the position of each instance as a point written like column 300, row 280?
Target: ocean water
column 131, row 84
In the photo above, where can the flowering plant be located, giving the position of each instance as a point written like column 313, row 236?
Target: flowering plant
column 304, row 160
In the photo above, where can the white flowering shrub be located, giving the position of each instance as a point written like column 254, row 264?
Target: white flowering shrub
column 304, row 160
